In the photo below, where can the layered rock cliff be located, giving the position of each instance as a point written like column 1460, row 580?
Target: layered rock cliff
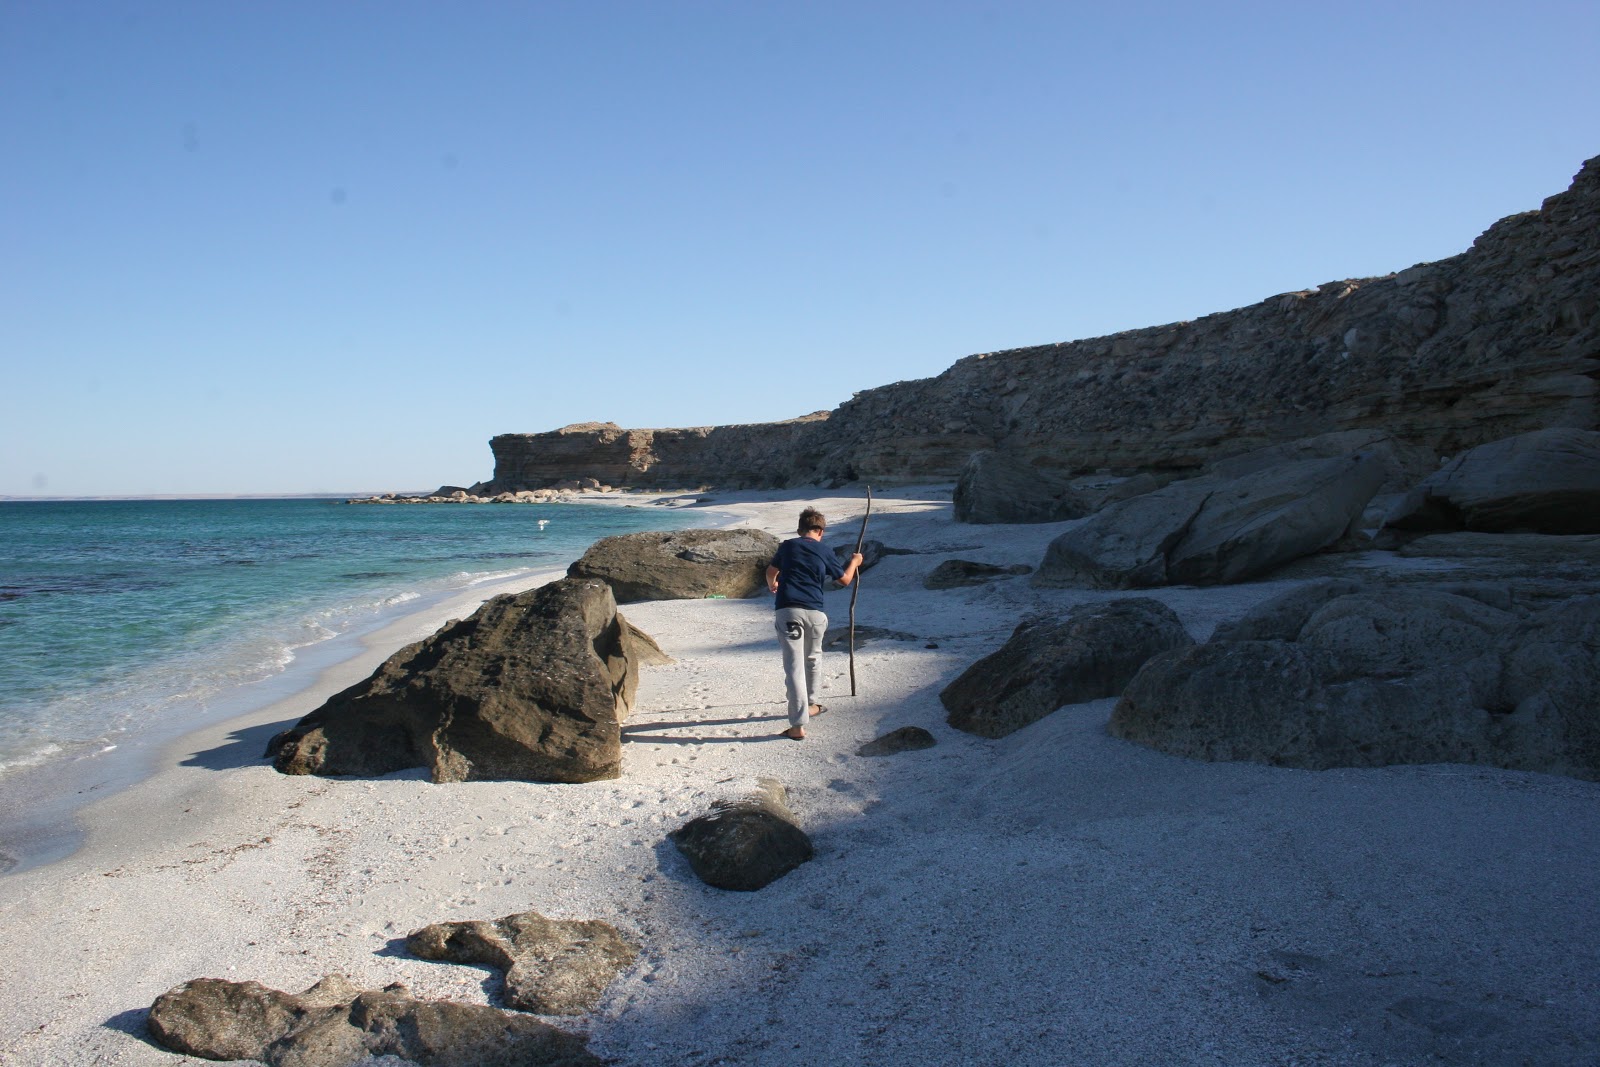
column 1501, row 339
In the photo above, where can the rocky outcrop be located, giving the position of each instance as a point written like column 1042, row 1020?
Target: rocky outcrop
column 999, row 487
column 1547, row 481
column 1500, row 340
column 746, row 842
column 1214, row 530
column 551, row 967
column 531, row 687
column 680, row 564
column 1090, row 653
column 334, row 1024
column 1345, row 675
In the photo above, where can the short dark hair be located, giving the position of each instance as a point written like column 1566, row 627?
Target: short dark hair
column 811, row 519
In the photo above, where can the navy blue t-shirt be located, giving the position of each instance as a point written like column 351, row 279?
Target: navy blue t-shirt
column 804, row 567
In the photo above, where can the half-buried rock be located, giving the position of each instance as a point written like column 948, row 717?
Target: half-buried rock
column 747, row 842
column 680, row 564
column 532, row 687
column 334, row 1024
column 552, row 967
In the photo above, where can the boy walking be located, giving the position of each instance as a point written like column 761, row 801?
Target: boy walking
column 797, row 575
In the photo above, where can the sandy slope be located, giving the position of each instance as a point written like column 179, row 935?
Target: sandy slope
column 1055, row 897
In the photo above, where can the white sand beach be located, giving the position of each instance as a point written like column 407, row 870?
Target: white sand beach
column 1055, row 897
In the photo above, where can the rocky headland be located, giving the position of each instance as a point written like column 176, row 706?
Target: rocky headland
column 1499, row 340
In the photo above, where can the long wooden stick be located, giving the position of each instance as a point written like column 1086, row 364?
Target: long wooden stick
column 855, row 591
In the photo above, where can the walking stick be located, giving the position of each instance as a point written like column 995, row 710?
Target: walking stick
column 855, row 590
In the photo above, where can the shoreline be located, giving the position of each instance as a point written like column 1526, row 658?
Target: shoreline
column 1053, row 896
column 40, row 802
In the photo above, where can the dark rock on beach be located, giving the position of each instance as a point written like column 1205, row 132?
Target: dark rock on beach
column 531, row 687
column 905, row 739
column 1090, row 653
column 334, row 1024
column 997, row 487
column 955, row 573
column 1344, row 675
column 551, row 967
column 1545, row 482
column 680, row 564
column 1214, row 529
column 745, row 843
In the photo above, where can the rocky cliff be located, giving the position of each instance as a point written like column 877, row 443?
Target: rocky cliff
column 1501, row 339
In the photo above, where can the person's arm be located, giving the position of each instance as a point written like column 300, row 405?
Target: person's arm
column 772, row 578
column 850, row 569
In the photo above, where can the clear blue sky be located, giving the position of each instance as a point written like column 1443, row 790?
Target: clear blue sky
column 294, row 246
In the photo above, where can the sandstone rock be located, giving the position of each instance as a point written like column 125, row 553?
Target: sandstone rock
column 1547, row 481
column 1090, row 653
column 953, row 573
column 905, row 739
column 1381, row 676
column 531, row 687
column 333, row 1024
column 998, row 487
column 745, row 843
column 551, row 967
column 1211, row 530
column 680, row 564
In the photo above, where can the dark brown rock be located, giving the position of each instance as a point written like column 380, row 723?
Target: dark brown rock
column 905, row 739
column 747, row 843
column 334, row 1024
column 531, row 687
column 551, row 967
column 680, row 564
column 1090, row 653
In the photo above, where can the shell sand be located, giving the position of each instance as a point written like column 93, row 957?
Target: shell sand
column 1055, row 896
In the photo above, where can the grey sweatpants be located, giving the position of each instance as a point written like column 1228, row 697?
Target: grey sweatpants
column 800, row 633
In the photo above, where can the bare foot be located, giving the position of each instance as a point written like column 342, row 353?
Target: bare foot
column 794, row 733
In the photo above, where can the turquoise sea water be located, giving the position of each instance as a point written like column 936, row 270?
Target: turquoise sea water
column 119, row 615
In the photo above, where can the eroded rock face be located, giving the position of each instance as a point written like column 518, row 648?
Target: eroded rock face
column 1372, row 676
column 1499, row 340
column 334, row 1024
column 551, row 967
column 745, row 843
column 1213, row 530
column 1547, row 482
column 680, row 564
column 997, row 487
column 531, row 687
column 1090, row 653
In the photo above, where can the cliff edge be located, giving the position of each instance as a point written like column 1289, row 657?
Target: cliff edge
column 1499, row 340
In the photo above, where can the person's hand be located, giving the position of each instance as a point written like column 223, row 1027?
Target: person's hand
column 856, row 558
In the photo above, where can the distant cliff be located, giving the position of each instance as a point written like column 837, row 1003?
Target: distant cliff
column 1498, row 340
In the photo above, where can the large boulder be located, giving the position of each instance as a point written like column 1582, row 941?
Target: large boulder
column 1383, row 675
column 1213, row 530
column 1547, row 481
column 552, row 967
column 1090, row 653
column 334, row 1024
column 680, row 564
column 531, row 687
column 745, row 842
column 1006, row 487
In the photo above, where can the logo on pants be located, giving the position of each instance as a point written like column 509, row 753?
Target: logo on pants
column 794, row 630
